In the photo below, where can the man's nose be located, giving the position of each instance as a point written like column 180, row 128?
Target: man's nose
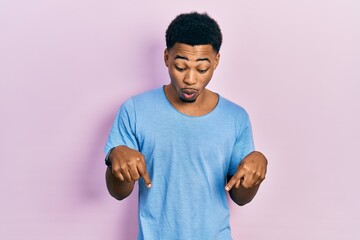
column 190, row 78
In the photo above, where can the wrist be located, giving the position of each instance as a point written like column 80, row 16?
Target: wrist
column 107, row 158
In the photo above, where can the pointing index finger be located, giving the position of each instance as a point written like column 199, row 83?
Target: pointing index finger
column 147, row 180
column 231, row 183
column 144, row 174
column 235, row 180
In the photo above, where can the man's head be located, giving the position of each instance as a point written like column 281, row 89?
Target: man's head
column 194, row 29
column 193, row 42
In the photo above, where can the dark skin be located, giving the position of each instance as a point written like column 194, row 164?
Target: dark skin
column 244, row 184
column 128, row 166
column 190, row 69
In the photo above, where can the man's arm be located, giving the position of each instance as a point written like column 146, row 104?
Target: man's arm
column 128, row 166
column 244, row 184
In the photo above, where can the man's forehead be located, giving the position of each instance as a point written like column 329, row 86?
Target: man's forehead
column 188, row 52
column 200, row 59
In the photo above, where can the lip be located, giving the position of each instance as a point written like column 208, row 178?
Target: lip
column 189, row 90
column 189, row 93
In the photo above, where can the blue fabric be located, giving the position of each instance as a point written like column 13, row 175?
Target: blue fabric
column 188, row 160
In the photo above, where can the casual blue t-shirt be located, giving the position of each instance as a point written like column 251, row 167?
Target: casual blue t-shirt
column 188, row 160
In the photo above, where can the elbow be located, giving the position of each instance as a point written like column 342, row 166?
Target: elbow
column 118, row 193
column 243, row 202
column 243, row 196
column 118, row 196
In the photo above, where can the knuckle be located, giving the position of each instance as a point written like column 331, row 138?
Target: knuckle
column 249, row 171
column 123, row 167
column 246, row 168
column 115, row 168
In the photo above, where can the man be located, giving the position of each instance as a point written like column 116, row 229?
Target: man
column 186, row 145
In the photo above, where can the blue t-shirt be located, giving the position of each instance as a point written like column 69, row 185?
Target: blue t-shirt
column 188, row 160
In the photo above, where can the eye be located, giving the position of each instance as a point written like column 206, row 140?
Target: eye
column 179, row 68
column 203, row 71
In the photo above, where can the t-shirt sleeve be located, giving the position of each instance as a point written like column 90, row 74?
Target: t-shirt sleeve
column 123, row 128
column 243, row 146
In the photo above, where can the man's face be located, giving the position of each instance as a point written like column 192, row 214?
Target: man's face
column 190, row 69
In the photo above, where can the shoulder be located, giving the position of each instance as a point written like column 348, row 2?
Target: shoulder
column 147, row 97
column 237, row 115
column 231, row 108
column 144, row 102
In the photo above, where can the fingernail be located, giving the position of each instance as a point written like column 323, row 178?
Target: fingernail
column 227, row 188
column 149, row 185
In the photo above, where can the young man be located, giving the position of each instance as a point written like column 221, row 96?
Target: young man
column 185, row 144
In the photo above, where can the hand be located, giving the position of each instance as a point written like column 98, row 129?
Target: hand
column 129, row 165
column 251, row 172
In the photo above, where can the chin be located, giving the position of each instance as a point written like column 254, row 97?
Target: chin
column 188, row 100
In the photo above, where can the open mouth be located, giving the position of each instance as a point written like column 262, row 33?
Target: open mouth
column 188, row 93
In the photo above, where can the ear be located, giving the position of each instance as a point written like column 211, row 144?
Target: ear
column 217, row 59
column 166, row 57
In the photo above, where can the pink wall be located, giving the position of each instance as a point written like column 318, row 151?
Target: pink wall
column 66, row 66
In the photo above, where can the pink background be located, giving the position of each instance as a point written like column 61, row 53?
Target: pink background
column 66, row 66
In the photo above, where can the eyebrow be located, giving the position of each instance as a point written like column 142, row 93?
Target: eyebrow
column 187, row 59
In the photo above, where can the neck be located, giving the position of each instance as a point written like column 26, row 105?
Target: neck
column 205, row 103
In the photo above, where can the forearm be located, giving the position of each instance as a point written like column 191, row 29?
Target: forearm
column 118, row 189
column 242, row 196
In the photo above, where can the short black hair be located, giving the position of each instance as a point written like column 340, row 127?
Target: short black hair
column 194, row 29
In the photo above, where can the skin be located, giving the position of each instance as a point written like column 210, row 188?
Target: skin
column 128, row 166
column 244, row 184
column 190, row 69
